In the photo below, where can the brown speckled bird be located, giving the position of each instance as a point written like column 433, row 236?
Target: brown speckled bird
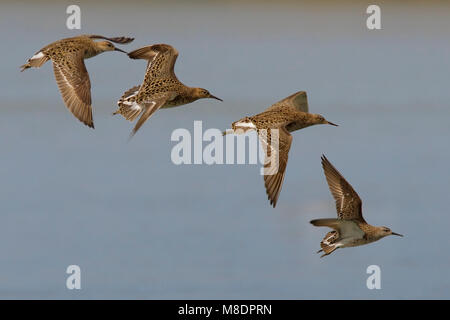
column 160, row 88
column 71, row 75
column 287, row 115
column 350, row 228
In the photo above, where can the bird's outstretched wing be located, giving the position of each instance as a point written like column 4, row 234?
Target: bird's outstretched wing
column 298, row 101
column 276, row 161
column 73, row 82
column 121, row 40
column 149, row 107
column 348, row 203
column 161, row 60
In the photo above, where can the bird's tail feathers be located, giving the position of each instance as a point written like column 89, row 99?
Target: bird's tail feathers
column 328, row 244
column 25, row 66
column 328, row 250
column 128, row 107
column 34, row 62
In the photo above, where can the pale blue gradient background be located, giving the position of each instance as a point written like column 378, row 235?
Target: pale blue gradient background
column 141, row 227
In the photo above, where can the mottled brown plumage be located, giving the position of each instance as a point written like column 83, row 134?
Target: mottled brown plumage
column 350, row 228
column 160, row 88
column 70, row 71
column 283, row 117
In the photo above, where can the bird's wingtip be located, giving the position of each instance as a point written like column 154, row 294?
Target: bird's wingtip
column 131, row 136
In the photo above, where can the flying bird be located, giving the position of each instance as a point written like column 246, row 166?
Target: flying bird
column 288, row 115
column 70, row 71
column 349, row 229
column 160, row 88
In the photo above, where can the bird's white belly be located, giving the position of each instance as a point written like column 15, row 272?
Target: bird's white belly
column 350, row 234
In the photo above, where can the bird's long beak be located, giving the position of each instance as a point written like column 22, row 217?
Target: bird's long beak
column 333, row 124
column 117, row 49
column 397, row 234
column 213, row 97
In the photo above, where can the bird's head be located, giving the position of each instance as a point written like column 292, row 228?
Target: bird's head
column 319, row 119
column 385, row 231
column 200, row 93
column 103, row 46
